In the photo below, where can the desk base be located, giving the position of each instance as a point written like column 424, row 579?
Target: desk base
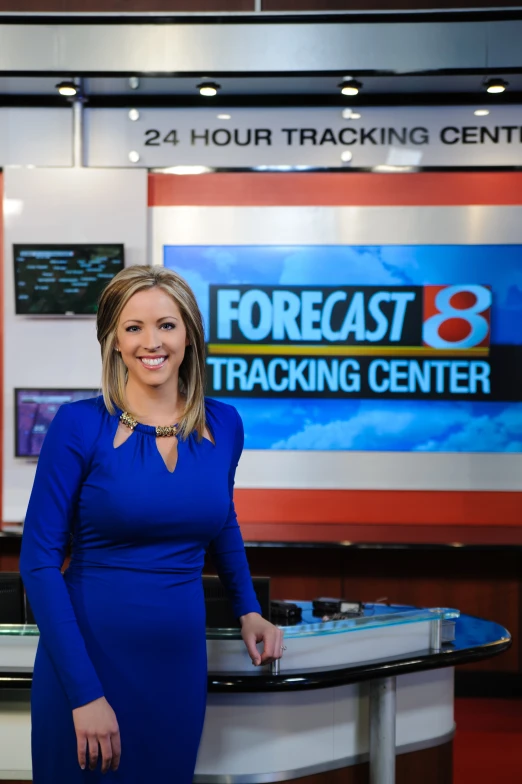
column 431, row 766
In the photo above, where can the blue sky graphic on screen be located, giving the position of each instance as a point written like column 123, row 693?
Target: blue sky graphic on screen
column 390, row 347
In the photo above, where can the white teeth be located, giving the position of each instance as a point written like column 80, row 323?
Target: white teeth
column 158, row 361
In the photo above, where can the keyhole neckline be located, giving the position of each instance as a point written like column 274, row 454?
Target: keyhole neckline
column 140, row 427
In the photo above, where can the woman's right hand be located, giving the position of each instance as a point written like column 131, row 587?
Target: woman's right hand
column 95, row 723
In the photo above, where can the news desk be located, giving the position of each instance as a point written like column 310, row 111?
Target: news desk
column 346, row 695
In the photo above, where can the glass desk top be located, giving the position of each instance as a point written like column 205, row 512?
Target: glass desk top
column 18, row 630
column 374, row 616
column 469, row 640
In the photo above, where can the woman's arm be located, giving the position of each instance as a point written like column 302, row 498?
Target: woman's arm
column 56, row 488
column 229, row 554
column 227, row 549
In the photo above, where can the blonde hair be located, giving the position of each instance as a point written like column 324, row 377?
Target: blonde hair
column 191, row 371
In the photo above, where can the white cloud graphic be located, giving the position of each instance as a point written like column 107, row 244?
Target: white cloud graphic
column 482, row 434
column 434, row 428
column 372, row 428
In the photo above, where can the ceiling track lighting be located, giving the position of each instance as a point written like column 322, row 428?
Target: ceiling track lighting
column 68, row 88
column 350, row 87
column 208, row 89
column 495, row 86
column 72, row 90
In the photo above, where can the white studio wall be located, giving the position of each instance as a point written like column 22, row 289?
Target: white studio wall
column 47, row 206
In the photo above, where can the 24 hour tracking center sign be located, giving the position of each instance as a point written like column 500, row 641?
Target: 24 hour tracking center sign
column 356, row 341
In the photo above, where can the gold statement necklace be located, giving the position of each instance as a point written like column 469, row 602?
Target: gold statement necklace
column 162, row 431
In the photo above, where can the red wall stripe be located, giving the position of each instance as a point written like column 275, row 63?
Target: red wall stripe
column 388, row 507
column 335, row 189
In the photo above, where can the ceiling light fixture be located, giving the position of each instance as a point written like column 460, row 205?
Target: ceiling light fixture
column 67, row 88
column 182, row 170
column 208, row 89
column 350, row 87
column 187, row 170
column 389, row 168
column 495, row 85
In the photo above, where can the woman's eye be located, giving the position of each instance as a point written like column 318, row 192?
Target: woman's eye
column 167, row 326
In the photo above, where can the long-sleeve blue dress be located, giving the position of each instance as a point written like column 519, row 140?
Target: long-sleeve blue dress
column 127, row 619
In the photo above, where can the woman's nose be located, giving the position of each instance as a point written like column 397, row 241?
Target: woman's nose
column 151, row 341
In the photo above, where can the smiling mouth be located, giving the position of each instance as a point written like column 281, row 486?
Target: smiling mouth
column 152, row 363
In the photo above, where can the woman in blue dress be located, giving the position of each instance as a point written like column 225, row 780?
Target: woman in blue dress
column 140, row 482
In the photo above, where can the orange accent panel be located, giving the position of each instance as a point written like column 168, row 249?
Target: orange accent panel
column 406, row 507
column 335, row 189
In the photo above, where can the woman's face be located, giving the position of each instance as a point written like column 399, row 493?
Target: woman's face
column 151, row 337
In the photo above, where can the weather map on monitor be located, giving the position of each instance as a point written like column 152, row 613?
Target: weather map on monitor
column 63, row 279
column 389, row 347
column 34, row 412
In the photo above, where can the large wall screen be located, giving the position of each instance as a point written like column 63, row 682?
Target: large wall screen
column 389, row 347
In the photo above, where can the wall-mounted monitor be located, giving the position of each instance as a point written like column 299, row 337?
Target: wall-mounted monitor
column 63, row 279
column 34, row 412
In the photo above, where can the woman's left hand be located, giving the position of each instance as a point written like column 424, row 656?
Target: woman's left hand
column 254, row 629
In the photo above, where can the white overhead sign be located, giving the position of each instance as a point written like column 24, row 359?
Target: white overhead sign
column 31, row 136
column 305, row 137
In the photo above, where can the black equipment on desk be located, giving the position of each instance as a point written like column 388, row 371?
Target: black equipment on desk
column 11, row 598
column 285, row 613
column 220, row 614
column 326, row 605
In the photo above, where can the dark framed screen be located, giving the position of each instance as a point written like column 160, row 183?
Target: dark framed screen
column 35, row 410
column 63, row 279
